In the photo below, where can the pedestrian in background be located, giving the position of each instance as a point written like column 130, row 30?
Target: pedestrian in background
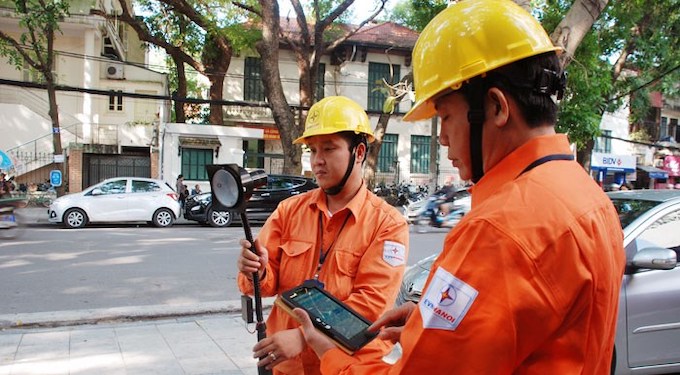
column 528, row 282
column 6, row 187
column 181, row 189
column 341, row 236
column 196, row 190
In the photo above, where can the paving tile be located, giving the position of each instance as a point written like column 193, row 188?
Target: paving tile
column 9, row 343
column 100, row 364
column 205, row 345
column 56, row 366
column 93, row 342
column 207, row 365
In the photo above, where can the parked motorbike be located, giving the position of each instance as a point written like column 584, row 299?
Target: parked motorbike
column 10, row 221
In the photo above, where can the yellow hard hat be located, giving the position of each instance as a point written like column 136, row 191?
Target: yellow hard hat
column 467, row 39
column 336, row 114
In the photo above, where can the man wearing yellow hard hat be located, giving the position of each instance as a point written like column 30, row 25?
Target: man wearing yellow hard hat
column 528, row 282
column 341, row 236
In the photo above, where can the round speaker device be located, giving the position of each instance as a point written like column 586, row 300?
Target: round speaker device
column 225, row 188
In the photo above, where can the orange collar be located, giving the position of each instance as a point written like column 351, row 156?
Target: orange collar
column 514, row 163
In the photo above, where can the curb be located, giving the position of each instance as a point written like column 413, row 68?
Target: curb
column 53, row 319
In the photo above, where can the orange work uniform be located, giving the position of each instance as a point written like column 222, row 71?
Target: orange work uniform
column 363, row 268
column 528, row 282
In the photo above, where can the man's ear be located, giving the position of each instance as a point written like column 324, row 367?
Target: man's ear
column 361, row 152
column 498, row 107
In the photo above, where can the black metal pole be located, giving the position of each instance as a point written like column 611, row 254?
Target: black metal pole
column 260, row 324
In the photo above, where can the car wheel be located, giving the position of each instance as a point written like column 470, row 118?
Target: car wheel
column 75, row 218
column 219, row 218
column 163, row 217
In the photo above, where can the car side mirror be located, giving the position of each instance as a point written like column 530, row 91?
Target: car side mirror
column 96, row 192
column 656, row 258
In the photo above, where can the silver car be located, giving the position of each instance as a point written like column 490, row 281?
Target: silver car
column 648, row 330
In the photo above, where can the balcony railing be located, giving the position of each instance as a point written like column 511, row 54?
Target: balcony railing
column 247, row 114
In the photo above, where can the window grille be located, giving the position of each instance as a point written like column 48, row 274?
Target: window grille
column 253, row 90
column 194, row 161
column 420, row 154
column 387, row 158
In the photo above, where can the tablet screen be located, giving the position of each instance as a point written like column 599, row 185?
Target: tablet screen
column 342, row 321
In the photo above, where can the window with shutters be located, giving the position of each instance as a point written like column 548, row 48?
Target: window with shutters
column 253, row 90
column 387, row 158
column 420, row 154
column 376, row 73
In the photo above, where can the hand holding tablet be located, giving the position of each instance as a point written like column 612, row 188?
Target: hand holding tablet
column 344, row 326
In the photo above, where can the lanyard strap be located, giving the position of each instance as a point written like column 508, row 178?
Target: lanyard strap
column 324, row 254
column 546, row 159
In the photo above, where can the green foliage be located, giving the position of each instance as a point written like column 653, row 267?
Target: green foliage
column 166, row 24
column 39, row 20
column 648, row 29
column 640, row 136
column 645, row 28
column 415, row 14
column 588, row 85
column 242, row 38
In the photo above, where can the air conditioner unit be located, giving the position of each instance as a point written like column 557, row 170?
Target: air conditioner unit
column 114, row 71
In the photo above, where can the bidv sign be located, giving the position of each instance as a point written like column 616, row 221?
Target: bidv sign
column 625, row 163
column 611, row 161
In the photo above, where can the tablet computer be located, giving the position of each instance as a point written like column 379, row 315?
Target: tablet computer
column 346, row 327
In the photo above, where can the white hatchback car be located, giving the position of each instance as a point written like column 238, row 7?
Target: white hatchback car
column 119, row 199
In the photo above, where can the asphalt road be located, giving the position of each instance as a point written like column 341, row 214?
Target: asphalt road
column 104, row 266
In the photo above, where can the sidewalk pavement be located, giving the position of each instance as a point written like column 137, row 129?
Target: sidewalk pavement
column 199, row 339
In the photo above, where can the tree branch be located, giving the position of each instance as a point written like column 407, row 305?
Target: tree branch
column 20, row 49
column 348, row 35
column 145, row 35
column 248, row 8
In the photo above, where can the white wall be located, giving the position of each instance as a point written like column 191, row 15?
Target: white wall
column 19, row 123
column 617, row 122
column 25, row 111
column 231, row 150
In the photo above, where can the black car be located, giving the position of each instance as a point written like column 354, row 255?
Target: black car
column 263, row 202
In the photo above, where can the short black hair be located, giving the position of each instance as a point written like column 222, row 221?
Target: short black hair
column 530, row 82
column 354, row 139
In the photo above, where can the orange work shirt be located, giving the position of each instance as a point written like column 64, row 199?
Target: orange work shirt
column 363, row 268
column 528, row 282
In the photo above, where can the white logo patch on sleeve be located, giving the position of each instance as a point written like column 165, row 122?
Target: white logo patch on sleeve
column 394, row 253
column 446, row 301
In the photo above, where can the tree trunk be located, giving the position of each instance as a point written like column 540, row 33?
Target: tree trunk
column 180, row 115
column 374, row 151
column 583, row 155
column 216, row 58
column 307, row 97
column 284, row 119
column 56, row 130
column 575, row 25
column 216, row 87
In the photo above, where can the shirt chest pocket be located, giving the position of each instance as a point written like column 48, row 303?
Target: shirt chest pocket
column 347, row 262
column 340, row 276
column 296, row 263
